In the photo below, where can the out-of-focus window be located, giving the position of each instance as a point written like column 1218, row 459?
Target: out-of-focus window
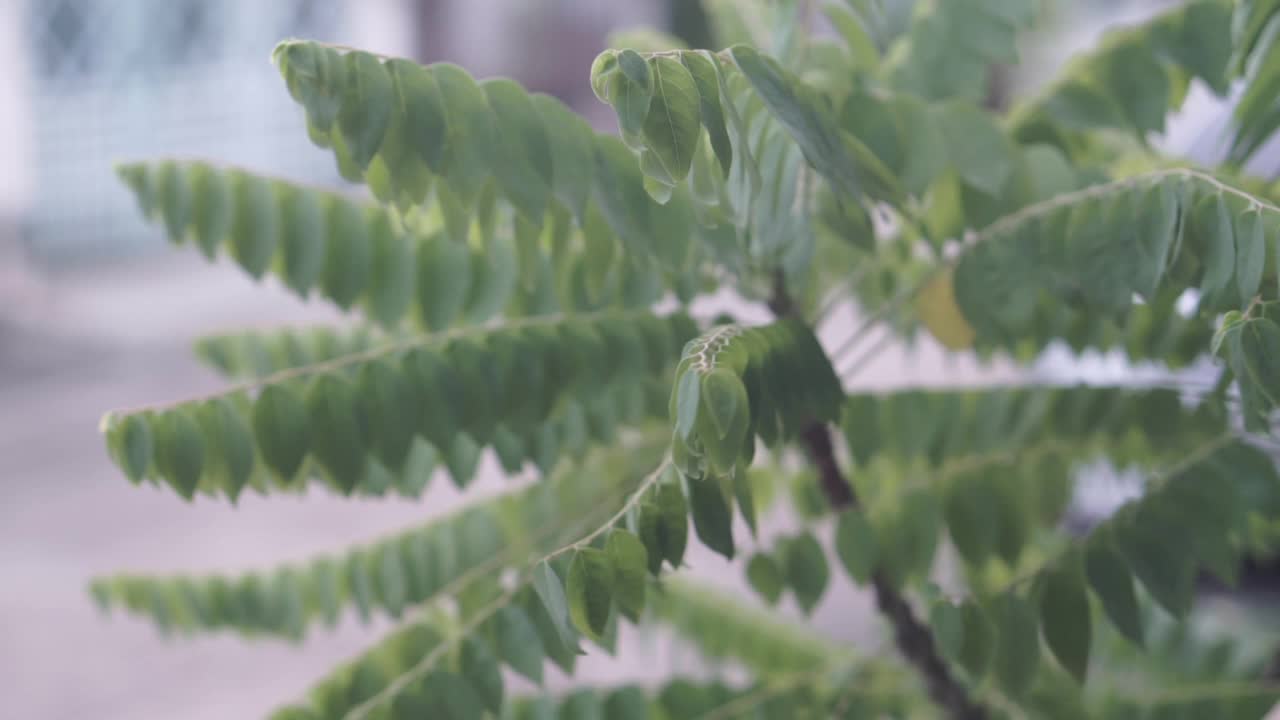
column 128, row 79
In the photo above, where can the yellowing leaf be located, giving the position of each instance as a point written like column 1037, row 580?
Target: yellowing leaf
column 938, row 310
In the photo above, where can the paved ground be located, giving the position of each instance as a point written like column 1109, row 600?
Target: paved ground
column 86, row 344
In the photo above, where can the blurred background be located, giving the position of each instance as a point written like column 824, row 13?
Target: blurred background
column 97, row 312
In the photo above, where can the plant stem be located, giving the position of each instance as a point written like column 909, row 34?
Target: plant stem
column 913, row 638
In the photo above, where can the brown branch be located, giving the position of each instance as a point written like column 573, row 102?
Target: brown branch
column 913, row 638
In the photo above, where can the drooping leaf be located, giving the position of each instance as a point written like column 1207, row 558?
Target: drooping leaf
column 712, row 517
column 806, row 571
column 765, row 577
column 629, row 559
column 1065, row 618
column 856, row 545
column 590, row 589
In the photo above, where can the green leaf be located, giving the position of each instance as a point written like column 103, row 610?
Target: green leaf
column 582, row 705
column 130, row 440
column 417, row 97
column 630, row 92
column 589, row 590
column 1017, row 651
column 337, row 430
column 526, row 175
column 1251, row 253
column 847, row 164
column 391, row 273
column 972, row 520
column 806, row 570
column 365, row 111
column 664, row 526
column 978, row 149
column 629, row 559
column 1212, row 230
column 281, row 429
column 673, row 121
column 302, row 234
column 687, row 399
column 179, row 450
column 571, row 154
column 347, row 254
column 765, row 577
column 550, row 591
column 1168, row 576
column 444, row 280
column 211, row 208
column 1065, row 618
column 473, row 139
column 705, row 69
column 449, row 698
column 253, row 227
column 979, row 640
column 1157, row 214
column 1112, row 582
column 620, row 190
column 391, row 411
column 480, row 669
column 518, row 643
column 626, row 703
column 1140, row 84
column 725, row 399
column 231, row 445
column 946, row 621
column 743, row 495
column 712, row 518
column 856, row 545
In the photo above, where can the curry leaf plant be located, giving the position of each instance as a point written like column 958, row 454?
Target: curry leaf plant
column 521, row 285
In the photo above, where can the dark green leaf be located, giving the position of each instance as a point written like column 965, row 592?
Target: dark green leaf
column 365, row 111
column 179, row 450
column 571, row 153
column 526, row 175
column 130, row 440
column 1017, row 651
column 947, row 623
column 805, row 566
column 978, row 149
column 480, row 668
column 629, row 562
column 589, row 590
column 337, row 430
column 712, row 517
column 1112, row 582
column 856, row 545
column 253, row 227
column 705, row 68
column 673, row 121
column 347, row 254
column 1212, row 231
column 1251, row 254
column 687, row 399
column 765, row 577
column 1065, row 618
column 281, row 429
column 626, row 703
column 518, row 643
column 979, row 640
